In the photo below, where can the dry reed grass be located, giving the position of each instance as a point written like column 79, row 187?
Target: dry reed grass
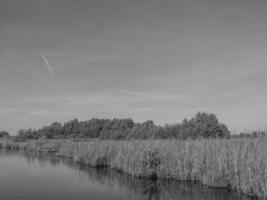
column 239, row 164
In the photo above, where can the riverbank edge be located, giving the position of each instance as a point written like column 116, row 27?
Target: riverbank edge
column 232, row 164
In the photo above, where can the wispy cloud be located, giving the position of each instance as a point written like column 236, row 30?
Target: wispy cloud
column 86, row 59
column 155, row 96
column 38, row 112
column 9, row 110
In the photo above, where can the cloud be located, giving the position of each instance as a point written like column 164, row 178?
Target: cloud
column 77, row 60
column 9, row 110
column 155, row 96
column 38, row 112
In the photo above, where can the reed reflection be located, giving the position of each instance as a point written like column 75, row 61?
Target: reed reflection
column 135, row 187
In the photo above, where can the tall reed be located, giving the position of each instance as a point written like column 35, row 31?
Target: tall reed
column 239, row 164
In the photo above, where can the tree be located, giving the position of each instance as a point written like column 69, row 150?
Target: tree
column 202, row 125
column 4, row 134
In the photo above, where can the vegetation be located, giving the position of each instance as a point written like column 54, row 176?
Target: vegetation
column 238, row 164
column 164, row 189
column 253, row 134
column 4, row 134
column 202, row 125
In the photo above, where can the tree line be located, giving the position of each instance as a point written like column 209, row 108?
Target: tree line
column 4, row 134
column 252, row 134
column 202, row 125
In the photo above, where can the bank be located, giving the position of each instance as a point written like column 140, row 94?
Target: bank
column 236, row 164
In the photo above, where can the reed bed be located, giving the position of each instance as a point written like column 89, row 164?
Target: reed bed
column 238, row 164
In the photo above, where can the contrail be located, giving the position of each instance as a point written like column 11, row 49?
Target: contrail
column 49, row 68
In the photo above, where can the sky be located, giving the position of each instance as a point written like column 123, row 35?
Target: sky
column 161, row 60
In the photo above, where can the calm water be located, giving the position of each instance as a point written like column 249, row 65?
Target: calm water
column 35, row 176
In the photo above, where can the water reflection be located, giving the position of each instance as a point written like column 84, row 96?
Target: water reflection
column 135, row 188
column 160, row 189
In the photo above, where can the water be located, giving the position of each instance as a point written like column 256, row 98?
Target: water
column 36, row 176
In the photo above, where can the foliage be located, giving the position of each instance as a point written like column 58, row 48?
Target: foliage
column 238, row 164
column 253, row 134
column 4, row 134
column 202, row 125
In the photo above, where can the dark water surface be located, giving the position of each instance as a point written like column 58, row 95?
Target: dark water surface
column 25, row 176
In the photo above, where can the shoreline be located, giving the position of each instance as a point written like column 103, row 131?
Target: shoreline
column 114, row 181
column 237, row 165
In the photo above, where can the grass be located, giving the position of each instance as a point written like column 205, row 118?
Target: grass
column 238, row 164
